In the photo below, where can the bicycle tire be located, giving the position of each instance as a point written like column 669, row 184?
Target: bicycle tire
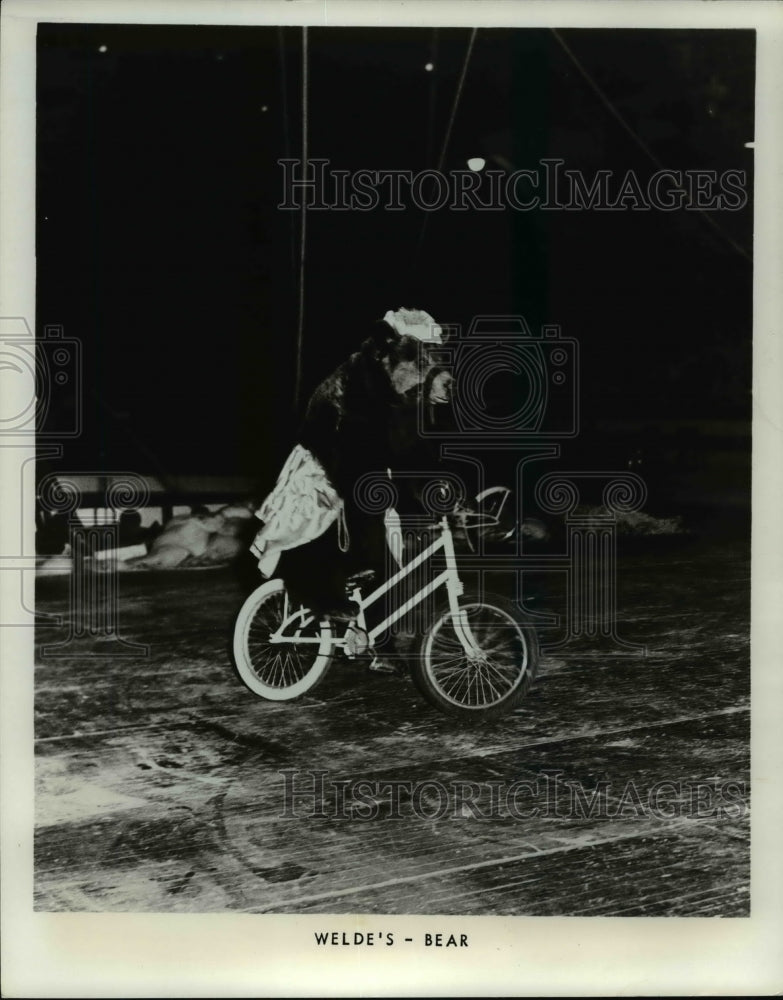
column 277, row 672
column 493, row 683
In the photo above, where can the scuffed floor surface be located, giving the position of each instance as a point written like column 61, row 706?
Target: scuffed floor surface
column 161, row 779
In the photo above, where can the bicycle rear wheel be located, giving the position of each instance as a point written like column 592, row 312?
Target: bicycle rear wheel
column 280, row 671
column 494, row 676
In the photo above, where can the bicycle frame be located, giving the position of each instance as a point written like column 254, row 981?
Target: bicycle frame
column 449, row 578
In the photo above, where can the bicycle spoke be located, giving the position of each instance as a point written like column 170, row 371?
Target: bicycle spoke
column 505, row 680
column 299, row 667
column 496, row 694
column 279, row 675
column 266, row 621
column 274, row 662
column 254, row 659
column 458, row 680
column 464, row 684
column 490, row 677
column 480, row 678
column 446, row 664
column 452, row 675
column 471, row 677
column 281, row 669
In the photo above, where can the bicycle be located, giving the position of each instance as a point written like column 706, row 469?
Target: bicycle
column 476, row 657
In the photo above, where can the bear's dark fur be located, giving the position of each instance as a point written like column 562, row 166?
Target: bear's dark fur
column 364, row 418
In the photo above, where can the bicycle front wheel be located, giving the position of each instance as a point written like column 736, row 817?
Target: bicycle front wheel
column 293, row 665
column 491, row 676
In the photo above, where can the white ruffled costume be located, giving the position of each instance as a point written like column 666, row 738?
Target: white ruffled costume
column 304, row 504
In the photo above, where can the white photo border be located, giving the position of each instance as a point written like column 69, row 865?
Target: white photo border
column 98, row 955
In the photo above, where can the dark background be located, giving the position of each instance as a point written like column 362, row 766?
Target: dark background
column 160, row 246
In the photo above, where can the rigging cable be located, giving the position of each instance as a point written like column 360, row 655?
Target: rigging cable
column 303, row 232
column 447, row 136
column 457, row 97
column 286, row 135
column 433, row 96
column 638, row 139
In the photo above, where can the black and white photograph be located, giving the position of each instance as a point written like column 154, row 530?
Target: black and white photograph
column 386, row 463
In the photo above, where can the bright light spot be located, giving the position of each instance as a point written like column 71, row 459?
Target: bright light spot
column 429, row 67
column 750, row 145
column 103, row 48
column 264, row 107
column 477, row 163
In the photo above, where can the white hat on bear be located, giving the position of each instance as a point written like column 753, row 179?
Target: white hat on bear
column 414, row 323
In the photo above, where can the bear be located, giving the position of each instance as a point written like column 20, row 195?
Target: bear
column 364, row 418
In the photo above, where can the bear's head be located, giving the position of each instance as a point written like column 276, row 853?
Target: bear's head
column 406, row 343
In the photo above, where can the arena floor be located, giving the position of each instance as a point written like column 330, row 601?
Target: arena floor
column 160, row 780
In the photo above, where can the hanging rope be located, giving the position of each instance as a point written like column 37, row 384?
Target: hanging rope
column 286, row 136
column 457, row 97
column 447, row 137
column 433, row 96
column 638, row 139
column 303, row 232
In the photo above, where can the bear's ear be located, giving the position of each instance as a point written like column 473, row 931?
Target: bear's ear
column 383, row 337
